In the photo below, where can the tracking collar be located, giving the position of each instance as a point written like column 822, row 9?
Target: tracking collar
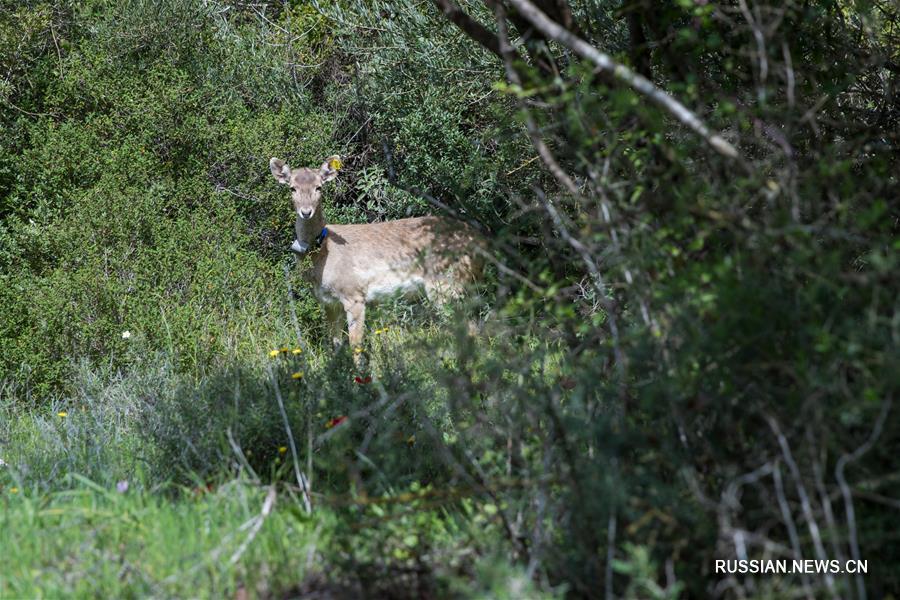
column 301, row 248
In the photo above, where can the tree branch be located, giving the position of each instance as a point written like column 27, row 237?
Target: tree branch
column 469, row 26
column 634, row 80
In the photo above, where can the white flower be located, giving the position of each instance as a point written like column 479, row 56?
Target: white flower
column 126, row 334
column 2, row 463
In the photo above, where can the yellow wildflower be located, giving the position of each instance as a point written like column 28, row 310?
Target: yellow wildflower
column 297, row 375
column 282, row 450
column 273, row 353
column 62, row 413
column 285, row 350
column 14, row 490
column 335, row 163
column 358, row 350
column 296, row 351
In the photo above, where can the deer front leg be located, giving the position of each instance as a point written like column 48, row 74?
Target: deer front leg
column 356, row 323
column 335, row 315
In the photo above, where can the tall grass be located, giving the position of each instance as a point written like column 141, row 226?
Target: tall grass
column 93, row 541
column 154, row 482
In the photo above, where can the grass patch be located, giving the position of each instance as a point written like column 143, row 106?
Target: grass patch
column 93, row 541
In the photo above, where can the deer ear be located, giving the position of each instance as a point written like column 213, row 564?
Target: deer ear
column 280, row 170
column 330, row 167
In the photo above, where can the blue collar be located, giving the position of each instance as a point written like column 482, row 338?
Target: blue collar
column 321, row 237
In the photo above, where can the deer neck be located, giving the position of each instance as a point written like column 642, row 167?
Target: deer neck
column 309, row 232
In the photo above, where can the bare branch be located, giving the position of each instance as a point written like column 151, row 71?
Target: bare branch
column 635, row 80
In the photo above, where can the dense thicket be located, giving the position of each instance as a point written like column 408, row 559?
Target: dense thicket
column 685, row 356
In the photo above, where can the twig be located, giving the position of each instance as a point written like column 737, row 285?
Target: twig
column 301, row 479
column 760, row 38
column 839, row 469
column 56, row 45
column 254, row 522
column 524, row 164
column 346, row 143
column 28, row 112
column 257, row 521
column 789, row 74
column 610, row 553
column 239, row 453
column 789, row 524
column 805, row 503
column 818, row 460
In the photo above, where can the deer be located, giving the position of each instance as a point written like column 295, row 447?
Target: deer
column 352, row 266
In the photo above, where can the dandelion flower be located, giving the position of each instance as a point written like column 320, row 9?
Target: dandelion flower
column 296, row 351
column 297, row 375
column 62, row 413
column 282, row 450
column 126, row 334
column 273, row 353
column 358, row 350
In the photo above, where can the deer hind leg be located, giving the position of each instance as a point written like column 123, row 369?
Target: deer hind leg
column 356, row 326
column 449, row 283
column 441, row 291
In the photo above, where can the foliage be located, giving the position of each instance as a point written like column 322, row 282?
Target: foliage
column 682, row 357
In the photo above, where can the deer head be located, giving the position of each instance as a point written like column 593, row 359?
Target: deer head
column 306, row 184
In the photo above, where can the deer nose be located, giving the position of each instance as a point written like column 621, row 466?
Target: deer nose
column 305, row 213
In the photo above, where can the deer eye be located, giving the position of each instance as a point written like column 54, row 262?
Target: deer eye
column 293, row 189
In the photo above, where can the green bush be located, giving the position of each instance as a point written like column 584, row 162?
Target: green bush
column 144, row 209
